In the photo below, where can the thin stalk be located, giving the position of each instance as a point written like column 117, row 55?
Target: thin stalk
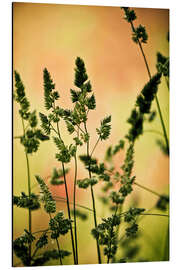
column 154, row 214
column 147, row 189
column 68, row 204
column 148, row 214
column 69, row 213
column 58, row 246
column 74, row 206
column 95, row 146
column 29, row 193
column 93, row 201
column 108, row 257
column 156, row 98
column 117, row 229
column 154, row 131
column 61, row 199
column 120, row 211
column 44, row 232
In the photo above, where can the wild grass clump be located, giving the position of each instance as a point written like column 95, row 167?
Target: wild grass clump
column 117, row 184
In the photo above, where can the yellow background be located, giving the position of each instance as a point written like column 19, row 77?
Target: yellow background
column 52, row 36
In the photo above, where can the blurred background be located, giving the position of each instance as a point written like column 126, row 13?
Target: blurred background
column 52, row 36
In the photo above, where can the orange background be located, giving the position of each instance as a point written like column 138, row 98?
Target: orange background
column 52, row 36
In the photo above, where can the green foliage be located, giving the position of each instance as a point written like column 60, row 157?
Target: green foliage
column 105, row 234
column 86, row 182
column 33, row 119
column 136, row 121
column 162, row 64
column 91, row 102
column 70, row 127
column 132, row 213
column 56, row 175
column 130, row 14
column 140, row 34
column 64, row 154
column 117, row 147
column 132, row 230
column 75, row 95
column 88, row 161
column 50, row 95
column 162, row 146
column 25, row 201
column 20, row 247
column 111, row 151
column 32, row 136
column 50, row 255
column 59, row 225
column 105, row 128
column 20, row 97
column 82, row 215
column 163, row 202
column 143, row 103
column 116, row 198
column 42, row 241
column 130, row 247
column 45, row 124
column 152, row 116
column 49, row 203
column 78, row 141
column 128, row 162
column 144, row 100
column 80, row 73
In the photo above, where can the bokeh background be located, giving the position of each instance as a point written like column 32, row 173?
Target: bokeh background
column 52, row 36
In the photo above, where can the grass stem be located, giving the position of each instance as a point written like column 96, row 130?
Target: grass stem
column 58, row 246
column 74, row 206
column 147, row 189
column 93, row 201
column 29, row 193
column 156, row 98
column 68, row 204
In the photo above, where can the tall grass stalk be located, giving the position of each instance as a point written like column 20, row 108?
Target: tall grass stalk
column 156, row 98
column 68, row 204
column 29, row 192
column 93, row 200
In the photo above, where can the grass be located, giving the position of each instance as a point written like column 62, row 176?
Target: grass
column 117, row 235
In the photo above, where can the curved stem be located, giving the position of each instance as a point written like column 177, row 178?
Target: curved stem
column 61, row 199
column 93, row 200
column 69, row 213
column 162, row 123
column 147, row 189
column 68, row 205
column 29, row 193
column 95, row 146
column 147, row 214
column 154, row 214
column 42, row 231
column 58, row 246
column 156, row 98
column 74, row 204
column 154, row 131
